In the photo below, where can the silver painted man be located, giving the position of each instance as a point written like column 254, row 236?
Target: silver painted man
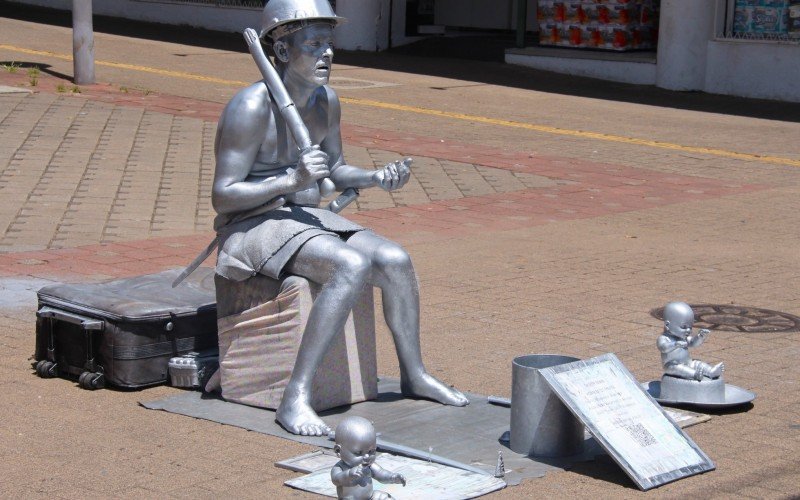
column 675, row 341
column 258, row 165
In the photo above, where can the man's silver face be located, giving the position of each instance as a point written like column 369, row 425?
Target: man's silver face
column 311, row 53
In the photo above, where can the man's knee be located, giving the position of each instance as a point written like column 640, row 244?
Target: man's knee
column 352, row 266
column 391, row 258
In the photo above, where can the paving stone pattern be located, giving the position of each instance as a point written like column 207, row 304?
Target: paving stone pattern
column 517, row 252
column 121, row 150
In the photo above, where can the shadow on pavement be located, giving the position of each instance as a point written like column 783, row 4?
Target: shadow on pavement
column 603, row 468
column 44, row 68
column 471, row 58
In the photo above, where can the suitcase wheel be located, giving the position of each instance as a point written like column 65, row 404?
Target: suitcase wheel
column 91, row 381
column 46, row 369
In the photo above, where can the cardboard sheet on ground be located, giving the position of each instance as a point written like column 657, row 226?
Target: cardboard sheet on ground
column 626, row 421
column 423, row 480
column 470, row 435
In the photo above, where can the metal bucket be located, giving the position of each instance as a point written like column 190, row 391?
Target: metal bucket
column 540, row 423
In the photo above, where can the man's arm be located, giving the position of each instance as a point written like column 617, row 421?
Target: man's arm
column 240, row 133
column 393, row 176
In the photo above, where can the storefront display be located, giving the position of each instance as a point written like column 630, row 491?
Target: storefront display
column 601, row 24
column 766, row 18
column 793, row 28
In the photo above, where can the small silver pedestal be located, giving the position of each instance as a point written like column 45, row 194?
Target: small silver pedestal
column 541, row 425
column 706, row 391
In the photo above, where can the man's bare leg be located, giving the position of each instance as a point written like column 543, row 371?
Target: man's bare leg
column 393, row 272
column 343, row 272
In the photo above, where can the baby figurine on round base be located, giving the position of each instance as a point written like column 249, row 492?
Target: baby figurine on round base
column 675, row 341
column 356, row 446
column 686, row 380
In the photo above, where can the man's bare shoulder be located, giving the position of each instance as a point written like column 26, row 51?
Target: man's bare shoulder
column 330, row 101
column 329, row 95
column 330, row 92
column 252, row 102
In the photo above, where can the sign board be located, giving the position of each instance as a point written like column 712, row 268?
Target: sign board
column 626, row 421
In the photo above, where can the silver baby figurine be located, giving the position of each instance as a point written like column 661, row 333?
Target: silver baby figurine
column 688, row 381
column 675, row 341
column 353, row 474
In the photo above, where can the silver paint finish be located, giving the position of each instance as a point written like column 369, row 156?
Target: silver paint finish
column 356, row 446
column 541, row 425
column 675, row 341
column 285, row 105
column 280, row 12
column 733, row 396
column 257, row 163
column 694, row 391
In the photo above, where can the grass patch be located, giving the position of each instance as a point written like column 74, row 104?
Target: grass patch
column 11, row 67
column 33, row 76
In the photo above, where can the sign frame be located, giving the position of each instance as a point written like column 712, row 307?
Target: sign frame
column 580, row 408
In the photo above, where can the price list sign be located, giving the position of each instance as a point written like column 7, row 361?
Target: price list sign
column 626, row 421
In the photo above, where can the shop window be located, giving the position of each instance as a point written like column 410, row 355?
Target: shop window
column 776, row 20
column 618, row 25
column 418, row 13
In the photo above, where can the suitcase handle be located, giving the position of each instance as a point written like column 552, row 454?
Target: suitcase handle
column 75, row 319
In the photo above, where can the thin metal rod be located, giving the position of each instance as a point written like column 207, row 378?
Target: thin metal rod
column 82, row 42
column 522, row 22
column 499, row 401
column 391, row 20
column 408, row 451
column 415, row 453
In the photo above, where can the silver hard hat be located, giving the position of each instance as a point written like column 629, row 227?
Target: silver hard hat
column 281, row 12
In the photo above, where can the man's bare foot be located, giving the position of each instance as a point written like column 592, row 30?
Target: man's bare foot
column 297, row 417
column 427, row 387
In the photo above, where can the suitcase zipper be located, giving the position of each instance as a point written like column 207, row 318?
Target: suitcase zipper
column 48, row 300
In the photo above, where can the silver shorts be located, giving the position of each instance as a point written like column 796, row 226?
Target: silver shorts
column 265, row 243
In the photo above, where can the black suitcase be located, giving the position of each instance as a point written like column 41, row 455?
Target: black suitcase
column 123, row 332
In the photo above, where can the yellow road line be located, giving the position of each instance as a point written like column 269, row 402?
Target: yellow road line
column 447, row 114
column 573, row 133
column 134, row 67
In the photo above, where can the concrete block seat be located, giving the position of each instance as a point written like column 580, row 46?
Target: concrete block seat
column 261, row 323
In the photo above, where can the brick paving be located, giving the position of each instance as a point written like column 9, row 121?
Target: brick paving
column 560, row 245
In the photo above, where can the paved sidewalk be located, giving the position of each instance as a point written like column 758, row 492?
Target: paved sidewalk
column 524, row 242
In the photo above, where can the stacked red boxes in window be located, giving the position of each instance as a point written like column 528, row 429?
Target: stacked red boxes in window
column 599, row 24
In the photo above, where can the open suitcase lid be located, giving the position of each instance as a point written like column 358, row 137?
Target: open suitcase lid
column 140, row 298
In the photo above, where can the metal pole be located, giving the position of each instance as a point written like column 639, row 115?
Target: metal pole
column 415, row 453
column 522, row 22
column 391, row 12
column 82, row 42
